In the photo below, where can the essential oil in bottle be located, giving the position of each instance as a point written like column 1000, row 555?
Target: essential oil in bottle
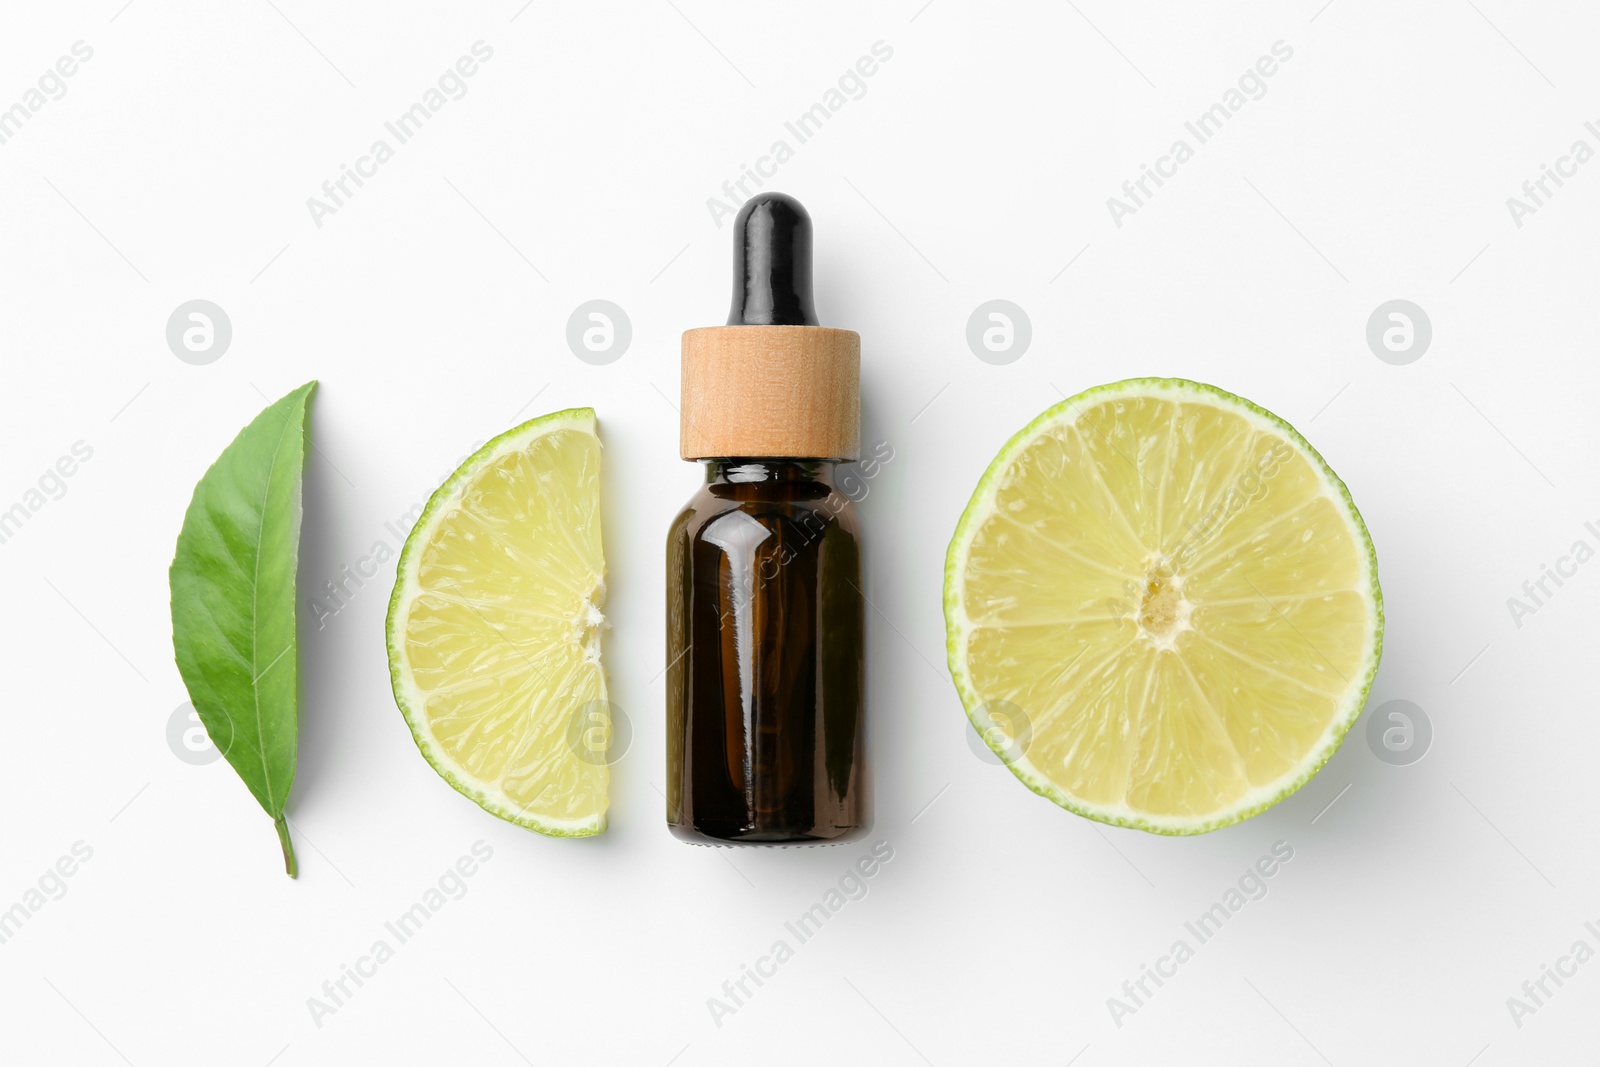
column 766, row 729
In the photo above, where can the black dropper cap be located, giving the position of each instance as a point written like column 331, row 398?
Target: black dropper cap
column 772, row 264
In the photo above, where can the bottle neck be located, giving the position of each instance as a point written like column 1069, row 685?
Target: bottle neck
column 744, row 470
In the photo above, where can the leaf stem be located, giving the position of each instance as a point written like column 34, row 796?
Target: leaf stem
column 290, row 867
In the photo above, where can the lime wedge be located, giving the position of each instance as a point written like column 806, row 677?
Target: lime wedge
column 1162, row 607
column 494, row 628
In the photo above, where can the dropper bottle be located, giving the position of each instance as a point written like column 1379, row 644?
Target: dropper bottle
column 765, row 611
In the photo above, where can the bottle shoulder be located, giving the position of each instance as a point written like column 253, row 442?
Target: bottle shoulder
column 815, row 507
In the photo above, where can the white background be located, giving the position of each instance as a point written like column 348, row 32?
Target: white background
column 433, row 309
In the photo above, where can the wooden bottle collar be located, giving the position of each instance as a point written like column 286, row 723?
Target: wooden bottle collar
column 771, row 391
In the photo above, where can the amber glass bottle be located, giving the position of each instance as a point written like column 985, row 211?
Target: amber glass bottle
column 765, row 613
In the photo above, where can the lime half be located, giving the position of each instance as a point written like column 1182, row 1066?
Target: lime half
column 494, row 628
column 1162, row 607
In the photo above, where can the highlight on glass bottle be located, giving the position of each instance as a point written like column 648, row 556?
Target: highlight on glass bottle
column 766, row 727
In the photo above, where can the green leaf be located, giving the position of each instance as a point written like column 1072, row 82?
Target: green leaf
column 233, row 602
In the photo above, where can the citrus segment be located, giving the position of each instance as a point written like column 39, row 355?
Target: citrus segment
column 494, row 646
